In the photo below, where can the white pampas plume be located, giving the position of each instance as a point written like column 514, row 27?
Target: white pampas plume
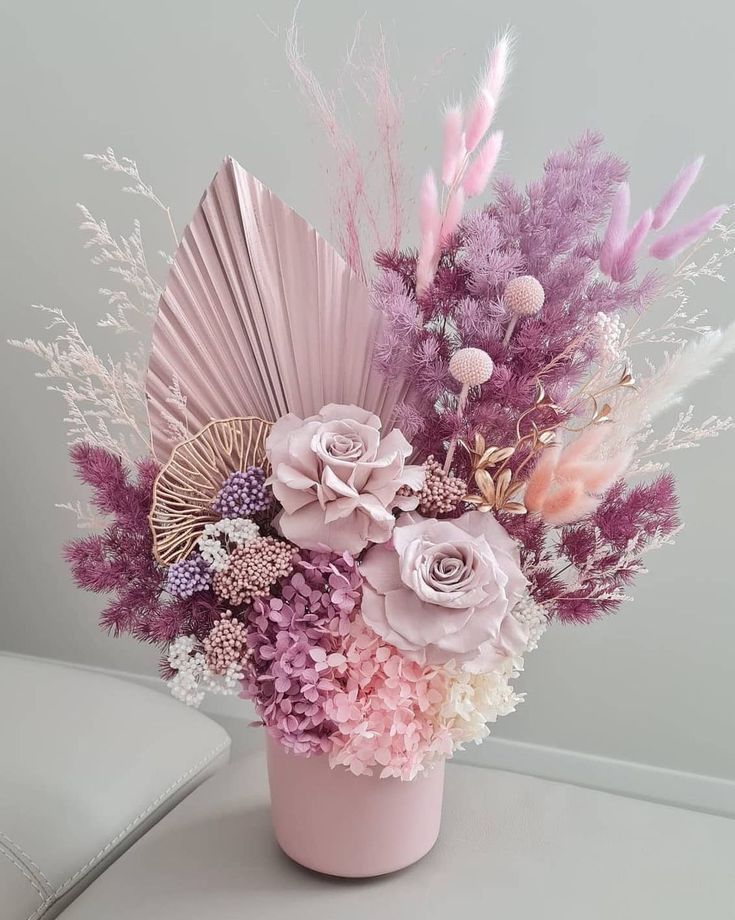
column 663, row 389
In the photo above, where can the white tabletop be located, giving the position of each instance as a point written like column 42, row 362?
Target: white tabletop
column 511, row 846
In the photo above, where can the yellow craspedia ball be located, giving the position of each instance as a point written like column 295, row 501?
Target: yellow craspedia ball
column 523, row 296
column 471, row 366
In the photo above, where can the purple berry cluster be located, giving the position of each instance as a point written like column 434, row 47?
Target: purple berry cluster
column 188, row 576
column 242, row 495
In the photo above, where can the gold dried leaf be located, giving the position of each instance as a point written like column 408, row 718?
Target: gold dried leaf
column 495, row 455
column 502, row 483
column 190, row 479
column 514, row 508
column 488, row 458
column 486, row 486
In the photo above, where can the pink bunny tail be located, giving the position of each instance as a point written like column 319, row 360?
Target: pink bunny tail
column 479, row 172
column 670, row 245
column 540, row 479
column 624, row 265
column 453, row 146
column 568, row 503
column 583, row 447
column 479, row 119
column 425, row 263
column 497, row 67
column 429, row 217
column 676, row 193
column 617, row 228
column 603, row 473
column 452, row 214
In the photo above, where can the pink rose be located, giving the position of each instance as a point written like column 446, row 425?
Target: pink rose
column 445, row 590
column 337, row 480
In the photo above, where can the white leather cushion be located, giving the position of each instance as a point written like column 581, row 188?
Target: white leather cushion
column 87, row 764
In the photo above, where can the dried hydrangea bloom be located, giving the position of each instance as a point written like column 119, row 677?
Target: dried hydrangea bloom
column 296, row 640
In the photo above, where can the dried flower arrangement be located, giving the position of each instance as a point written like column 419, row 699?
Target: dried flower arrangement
column 365, row 534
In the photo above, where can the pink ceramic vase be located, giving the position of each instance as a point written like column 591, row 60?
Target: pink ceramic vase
column 351, row 826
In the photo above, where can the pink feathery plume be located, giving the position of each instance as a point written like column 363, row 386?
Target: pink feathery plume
column 498, row 66
column 568, row 503
column 624, row 265
column 452, row 214
column 540, row 480
column 425, row 267
column 601, row 474
column 671, row 244
column 479, row 119
column 430, row 228
column 582, row 447
column 676, row 193
column 488, row 95
column 478, row 174
column 387, row 106
column 617, row 228
column 567, row 485
column 454, row 146
column 429, row 216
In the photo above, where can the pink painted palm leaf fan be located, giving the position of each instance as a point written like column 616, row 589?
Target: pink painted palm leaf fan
column 260, row 316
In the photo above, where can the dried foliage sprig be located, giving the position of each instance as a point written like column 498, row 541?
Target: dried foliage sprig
column 359, row 225
column 104, row 395
column 109, row 161
column 105, row 399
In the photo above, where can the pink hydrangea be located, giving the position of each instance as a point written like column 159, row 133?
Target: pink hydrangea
column 386, row 710
column 294, row 640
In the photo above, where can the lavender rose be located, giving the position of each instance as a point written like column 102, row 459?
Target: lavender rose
column 445, row 590
column 337, row 480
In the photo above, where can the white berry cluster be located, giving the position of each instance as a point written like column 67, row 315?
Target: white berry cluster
column 608, row 331
column 184, row 685
column 233, row 531
column 533, row 617
column 193, row 678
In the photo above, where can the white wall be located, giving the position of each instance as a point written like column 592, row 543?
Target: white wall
column 177, row 85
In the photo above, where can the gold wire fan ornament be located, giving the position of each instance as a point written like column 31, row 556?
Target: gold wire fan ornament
column 190, row 479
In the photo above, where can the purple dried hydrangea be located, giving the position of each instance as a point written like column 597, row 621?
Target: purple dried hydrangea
column 295, row 640
column 188, row 576
column 242, row 494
